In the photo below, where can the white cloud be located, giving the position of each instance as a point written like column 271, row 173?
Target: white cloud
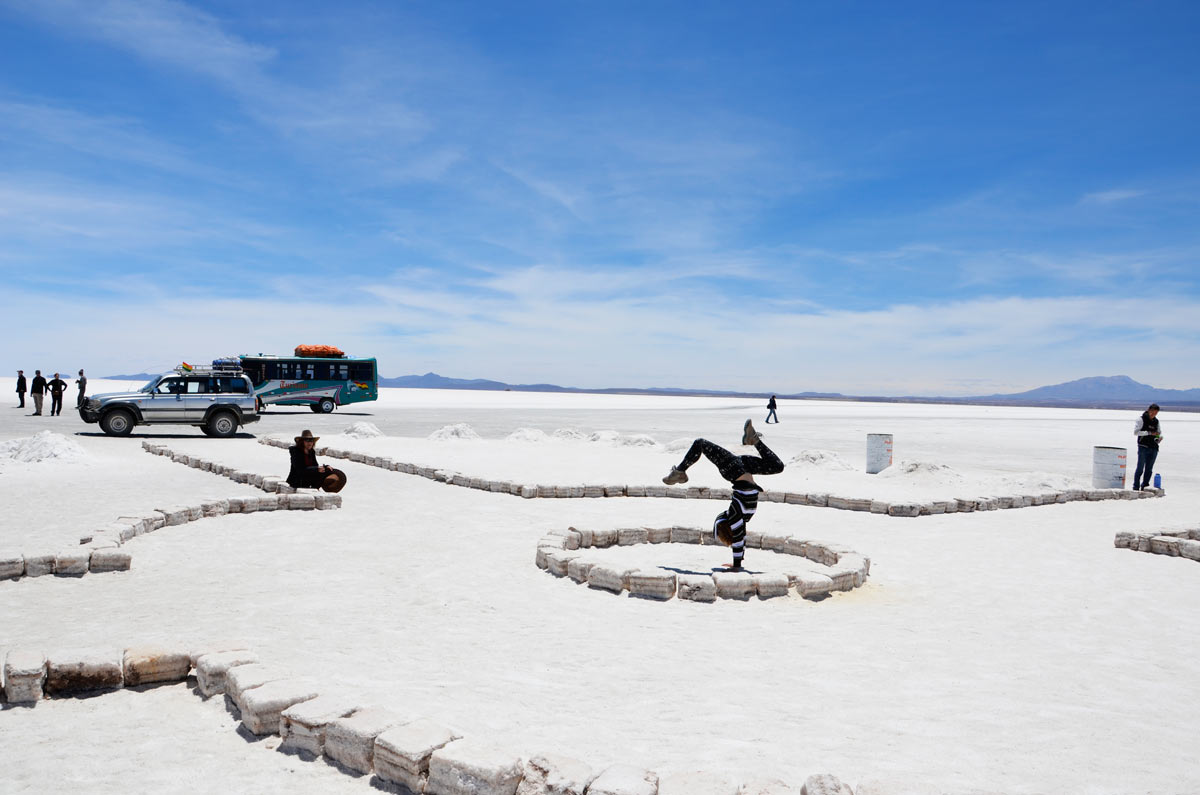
column 1111, row 196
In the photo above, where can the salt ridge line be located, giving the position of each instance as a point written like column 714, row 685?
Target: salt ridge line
column 1175, row 543
column 100, row 550
column 558, row 553
column 960, row 505
column 417, row 753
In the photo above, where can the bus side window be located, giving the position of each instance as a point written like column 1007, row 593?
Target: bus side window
column 362, row 371
column 308, row 371
column 343, row 372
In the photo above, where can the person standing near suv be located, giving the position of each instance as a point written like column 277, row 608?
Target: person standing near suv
column 37, row 389
column 82, row 382
column 1149, row 434
column 20, row 389
column 57, row 387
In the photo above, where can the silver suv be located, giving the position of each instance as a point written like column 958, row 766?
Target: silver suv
column 218, row 401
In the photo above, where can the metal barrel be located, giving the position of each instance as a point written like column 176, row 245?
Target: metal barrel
column 1108, row 467
column 879, row 452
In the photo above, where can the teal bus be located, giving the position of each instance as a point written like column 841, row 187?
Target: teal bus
column 322, row 379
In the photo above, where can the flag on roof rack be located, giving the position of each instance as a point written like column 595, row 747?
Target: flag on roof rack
column 187, row 368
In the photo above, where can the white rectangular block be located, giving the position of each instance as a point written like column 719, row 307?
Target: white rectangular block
column 72, row 562
column 652, row 584
column 144, row 665
column 350, row 741
column 68, row 673
column 696, row 587
column 109, row 559
column 402, row 753
column 244, row 678
column 771, row 585
column 212, row 669
column 24, row 676
column 734, row 585
column 261, row 706
column 624, row 780
column 551, row 774
column 38, row 564
column 302, row 726
column 12, row 565
column 470, row 767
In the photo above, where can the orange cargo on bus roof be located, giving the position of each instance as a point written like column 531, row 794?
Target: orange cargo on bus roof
column 319, row 350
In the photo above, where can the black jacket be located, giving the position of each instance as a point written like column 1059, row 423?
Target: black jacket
column 305, row 471
column 20, row 383
column 38, row 386
column 57, row 386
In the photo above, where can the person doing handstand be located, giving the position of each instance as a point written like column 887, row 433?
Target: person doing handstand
column 730, row 525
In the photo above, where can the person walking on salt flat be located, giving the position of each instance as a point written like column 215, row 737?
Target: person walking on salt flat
column 1148, row 434
column 771, row 411
column 730, row 525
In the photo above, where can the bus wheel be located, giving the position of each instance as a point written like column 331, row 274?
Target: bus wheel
column 314, row 408
column 325, row 406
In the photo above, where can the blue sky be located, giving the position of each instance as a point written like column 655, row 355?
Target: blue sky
column 883, row 198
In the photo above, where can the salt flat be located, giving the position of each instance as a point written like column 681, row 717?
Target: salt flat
column 1009, row 651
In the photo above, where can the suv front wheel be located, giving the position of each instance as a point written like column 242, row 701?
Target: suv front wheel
column 221, row 424
column 118, row 422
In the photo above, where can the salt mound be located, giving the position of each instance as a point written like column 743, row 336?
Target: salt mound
column 635, row 440
column 570, row 434
column 527, row 435
column 42, row 446
column 362, row 430
column 679, row 445
column 603, row 436
column 457, row 431
column 821, row 459
column 921, row 470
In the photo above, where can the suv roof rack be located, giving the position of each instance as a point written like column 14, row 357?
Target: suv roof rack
column 230, row 368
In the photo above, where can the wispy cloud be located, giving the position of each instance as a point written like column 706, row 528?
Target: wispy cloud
column 1111, row 196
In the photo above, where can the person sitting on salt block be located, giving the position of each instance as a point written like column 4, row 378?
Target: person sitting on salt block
column 306, row 473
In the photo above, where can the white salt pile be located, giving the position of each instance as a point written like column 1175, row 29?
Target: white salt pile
column 527, row 435
column 42, row 446
column 921, row 471
column 821, row 459
column 623, row 440
column 679, row 445
column 362, row 430
column 457, row 431
column 570, row 434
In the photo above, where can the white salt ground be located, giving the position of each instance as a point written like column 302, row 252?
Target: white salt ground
column 1009, row 651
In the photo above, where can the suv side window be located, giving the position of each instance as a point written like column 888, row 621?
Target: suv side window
column 231, row 385
column 170, row 386
column 197, row 386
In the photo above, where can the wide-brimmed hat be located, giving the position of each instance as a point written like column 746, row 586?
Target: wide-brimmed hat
column 306, row 436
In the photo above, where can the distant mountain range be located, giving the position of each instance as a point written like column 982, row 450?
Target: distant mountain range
column 1116, row 391
column 1099, row 392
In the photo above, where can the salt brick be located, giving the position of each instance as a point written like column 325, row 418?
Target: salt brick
column 608, row 579
column 261, row 706
column 624, row 780
column 138, row 523
column 696, row 783
column 24, row 676
column 812, row 584
column 585, row 537
column 302, row 726
column 656, row 491
column 1165, row 545
column 825, row 784
column 774, row 542
column 771, row 585
column 614, row 491
column 635, row 491
column 628, row 536
column 836, row 502
column 350, row 741
column 734, row 585
column 696, row 587
column 528, row 492
column 80, row 672
column 878, row 506
column 469, row 767
column 792, row 498
column 685, row 535
column 1189, row 548
column 796, row 546
column 556, row 562
column 904, row 509
column 1122, row 540
column 658, row 535
column 244, row 678
column 604, row 538
column 678, row 493
column 269, row 502
column 551, row 774
column 302, row 502
column 72, row 562
column 402, row 753
column 109, row 559
column 12, row 565
column 212, row 669
column 753, row 539
column 143, row 665
column 39, row 564
column 578, row 568
column 652, row 584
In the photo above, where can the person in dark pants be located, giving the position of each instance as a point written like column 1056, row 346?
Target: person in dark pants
column 771, row 411
column 20, row 389
column 57, row 387
column 306, row 473
column 730, row 525
column 1149, row 434
column 81, row 381
column 37, row 390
